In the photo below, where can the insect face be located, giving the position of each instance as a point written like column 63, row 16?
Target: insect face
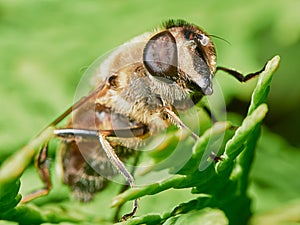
column 182, row 53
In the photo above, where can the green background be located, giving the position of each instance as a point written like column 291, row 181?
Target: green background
column 45, row 47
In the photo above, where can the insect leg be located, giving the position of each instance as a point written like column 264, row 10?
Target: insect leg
column 210, row 114
column 108, row 149
column 177, row 121
column 121, row 167
column 41, row 164
column 240, row 77
column 71, row 133
column 125, row 187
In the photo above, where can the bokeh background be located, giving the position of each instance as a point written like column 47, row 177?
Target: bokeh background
column 45, row 47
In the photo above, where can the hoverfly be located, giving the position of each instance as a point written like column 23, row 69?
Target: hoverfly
column 137, row 93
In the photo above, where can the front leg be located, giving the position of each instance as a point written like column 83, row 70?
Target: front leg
column 177, row 121
column 239, row 76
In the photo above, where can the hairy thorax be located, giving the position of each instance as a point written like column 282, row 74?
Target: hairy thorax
column 141, row 97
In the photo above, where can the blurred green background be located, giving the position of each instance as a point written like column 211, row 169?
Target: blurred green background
column 46, row 45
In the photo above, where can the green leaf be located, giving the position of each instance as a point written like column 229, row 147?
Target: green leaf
column 12, row 169
column 205, row 216
column 262, row 88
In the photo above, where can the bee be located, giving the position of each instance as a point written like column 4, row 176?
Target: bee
column 138, row 91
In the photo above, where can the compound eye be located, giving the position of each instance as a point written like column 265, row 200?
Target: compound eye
column 160, row 55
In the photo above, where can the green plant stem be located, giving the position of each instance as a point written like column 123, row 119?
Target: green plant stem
column 13, row 168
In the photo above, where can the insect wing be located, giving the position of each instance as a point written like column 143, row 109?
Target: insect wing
column 86, row 168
